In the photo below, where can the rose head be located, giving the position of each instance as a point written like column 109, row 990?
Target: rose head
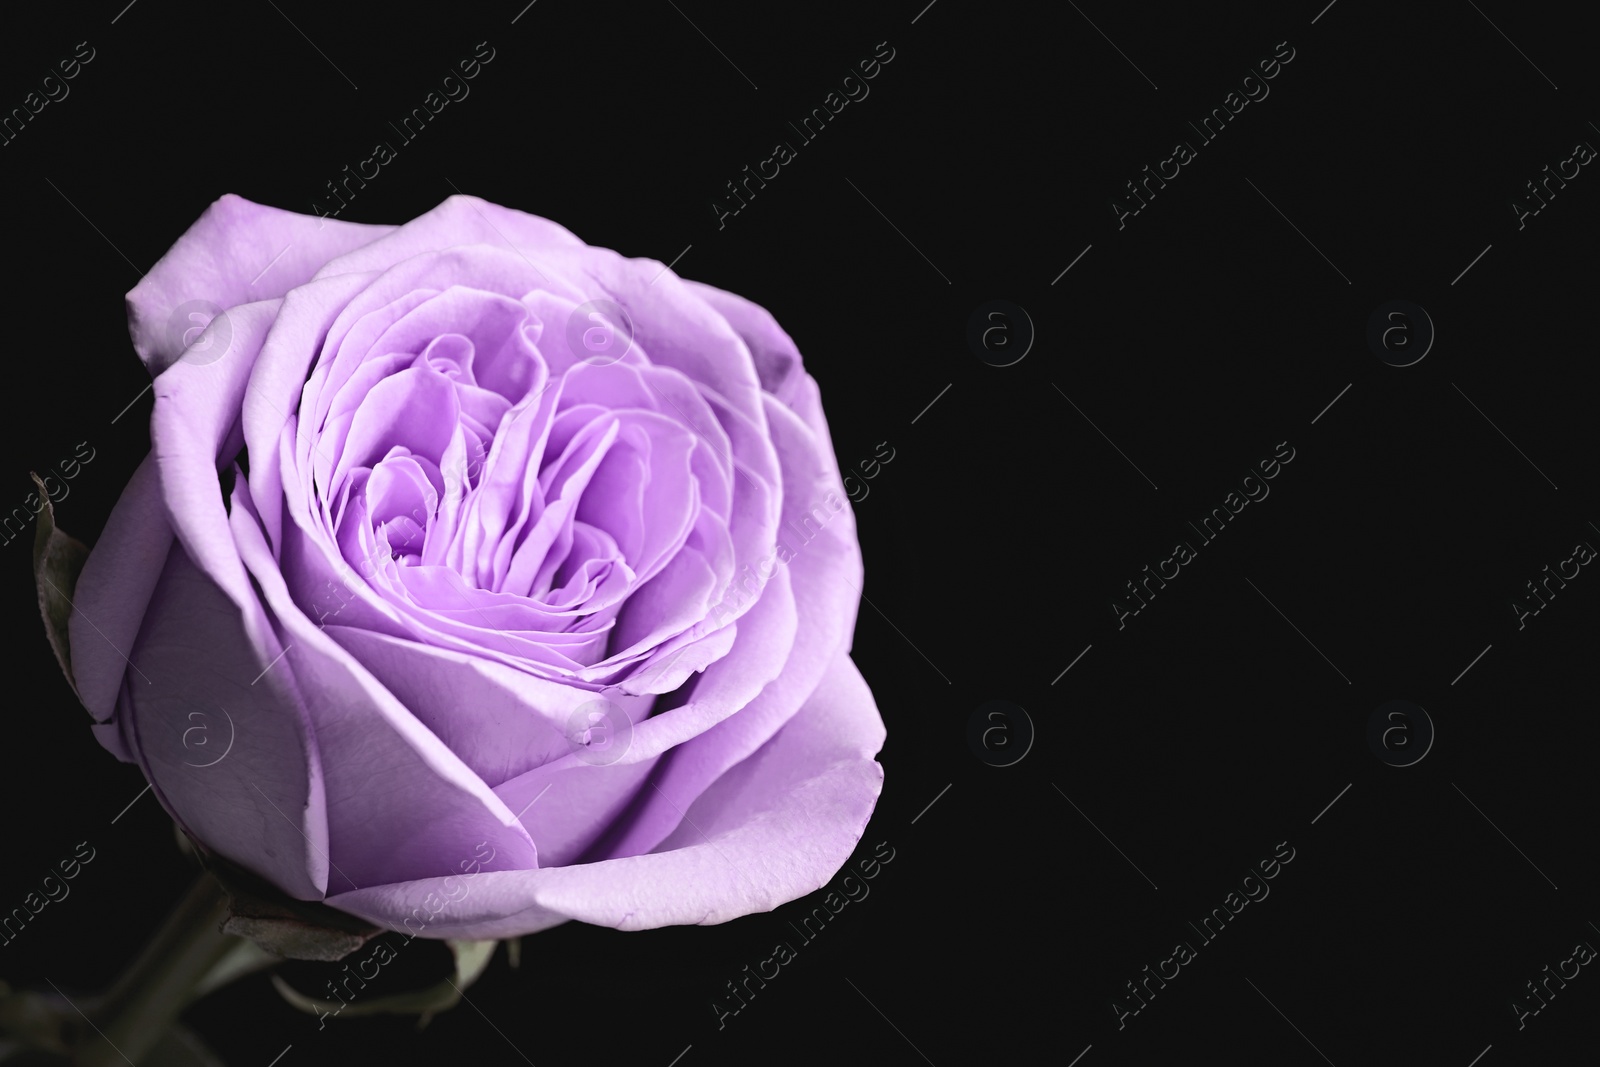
column 467, row 549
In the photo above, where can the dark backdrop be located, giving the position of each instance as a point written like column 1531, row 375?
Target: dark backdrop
column 1172, row 749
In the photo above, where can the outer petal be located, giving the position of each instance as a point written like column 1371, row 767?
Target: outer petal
column 777, row 827
column 194, row 425
column 773, row 351
column 114, row 590
column 839, row 724
column 225, row 741
column 777, row 360
column 567, row 806
column 460, row 220
column 205, row 643
column 238, row 252
column 502, row 722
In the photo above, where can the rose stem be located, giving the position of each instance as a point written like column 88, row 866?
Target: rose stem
column 148, row 997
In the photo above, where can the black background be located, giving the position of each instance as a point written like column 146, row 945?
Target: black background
column 1221, row 721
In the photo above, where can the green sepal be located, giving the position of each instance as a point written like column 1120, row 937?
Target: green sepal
column 57, row 561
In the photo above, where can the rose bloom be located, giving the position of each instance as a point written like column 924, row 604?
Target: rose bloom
column 479, row 579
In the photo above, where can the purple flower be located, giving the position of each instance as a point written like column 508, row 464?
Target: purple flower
column 511, row 580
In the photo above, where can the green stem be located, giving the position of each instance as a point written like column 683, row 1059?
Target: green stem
column 148, row 997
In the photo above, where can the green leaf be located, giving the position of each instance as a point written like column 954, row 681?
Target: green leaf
column 246, row 957
column 57, row 561
column 471, row 959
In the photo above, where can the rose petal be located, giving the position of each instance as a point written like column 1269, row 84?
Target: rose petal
column 824, row 573
column 566, row 805
column 277, row 379
column 196, row 410
column 459, row 220
column 237, row 252
column 676, row 328
column 222, row 734
column 771, row 349
column 784, row 822
column 500, row 721
column 401, row 805
column 757, row 659
column 416, row 408
column 114, row 589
